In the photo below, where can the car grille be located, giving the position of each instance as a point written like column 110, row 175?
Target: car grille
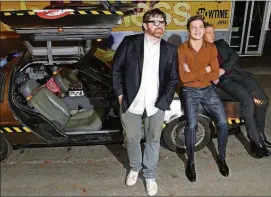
column 2, row 86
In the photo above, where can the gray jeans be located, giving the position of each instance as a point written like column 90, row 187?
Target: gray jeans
column 132, row 126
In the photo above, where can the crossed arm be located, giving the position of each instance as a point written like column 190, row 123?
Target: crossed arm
column 208, row 73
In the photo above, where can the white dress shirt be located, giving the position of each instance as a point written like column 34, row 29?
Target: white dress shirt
column 148, row 91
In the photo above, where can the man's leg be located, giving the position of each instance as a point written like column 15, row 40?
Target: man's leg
column 190, row 102
column 190, row 98
column 153, row 129
column 132, row 124
column 239, row 91
column 244, row 95
column 260, row 111
column 211, row 102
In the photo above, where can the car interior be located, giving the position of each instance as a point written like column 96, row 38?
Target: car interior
column 69, row 95
column 59, row 75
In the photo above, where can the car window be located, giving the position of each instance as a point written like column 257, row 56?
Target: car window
column 2, row 86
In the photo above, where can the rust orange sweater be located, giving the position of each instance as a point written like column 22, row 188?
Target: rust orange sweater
column 197, row 61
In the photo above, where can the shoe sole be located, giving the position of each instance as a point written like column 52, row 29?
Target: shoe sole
column 130, row 184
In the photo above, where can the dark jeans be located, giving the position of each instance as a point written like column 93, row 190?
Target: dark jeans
column 191, row 98
column 244, row 87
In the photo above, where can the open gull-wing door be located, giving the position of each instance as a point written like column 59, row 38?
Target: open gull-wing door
column 66, row 22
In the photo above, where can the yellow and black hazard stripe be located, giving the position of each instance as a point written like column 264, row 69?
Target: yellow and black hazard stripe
column 9, row 129
column 75, row 12
column 234, row 121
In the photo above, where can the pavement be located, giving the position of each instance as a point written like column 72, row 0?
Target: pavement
column 260, row 70
column 100, row 170
column 257, row 65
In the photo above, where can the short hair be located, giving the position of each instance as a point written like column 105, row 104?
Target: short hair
column 152, row 13
column 194, row 18
column 208, row 25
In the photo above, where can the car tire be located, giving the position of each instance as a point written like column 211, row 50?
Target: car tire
column 203, row 136
column 5, row 148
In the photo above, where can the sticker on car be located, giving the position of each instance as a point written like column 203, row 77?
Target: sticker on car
column 59, row 13
column 8, row 129
column 53, row 14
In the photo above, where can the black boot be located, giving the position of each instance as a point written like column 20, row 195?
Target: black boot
column 190, row 171
column 223, row 167
column 259, row 149
column 264, row 139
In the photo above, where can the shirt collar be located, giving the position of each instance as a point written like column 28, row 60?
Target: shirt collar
column 204, row 44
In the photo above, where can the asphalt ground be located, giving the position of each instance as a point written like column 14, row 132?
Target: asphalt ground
column 100, row 170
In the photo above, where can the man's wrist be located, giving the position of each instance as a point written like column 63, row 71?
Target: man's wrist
column 203, row 71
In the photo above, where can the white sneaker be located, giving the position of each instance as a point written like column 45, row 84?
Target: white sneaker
column 131, row 178
column 151, row 187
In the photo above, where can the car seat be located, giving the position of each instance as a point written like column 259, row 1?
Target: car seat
column 63, row 77
column 56, row 110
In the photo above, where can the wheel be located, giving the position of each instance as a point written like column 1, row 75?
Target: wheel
column 5, row 149
column 174, row 138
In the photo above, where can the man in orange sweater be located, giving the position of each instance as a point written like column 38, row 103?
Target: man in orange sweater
column 198, row 67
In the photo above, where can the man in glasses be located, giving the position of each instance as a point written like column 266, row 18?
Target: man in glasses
column 145, row 76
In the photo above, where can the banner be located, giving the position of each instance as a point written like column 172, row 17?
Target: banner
column 178, row 12
column 216, row 12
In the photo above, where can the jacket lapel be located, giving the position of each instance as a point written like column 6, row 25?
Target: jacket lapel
column 162, row 62
column 140, row 52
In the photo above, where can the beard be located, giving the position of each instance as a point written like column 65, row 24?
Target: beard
column 157, row 32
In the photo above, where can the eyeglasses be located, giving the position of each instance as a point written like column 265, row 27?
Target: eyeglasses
column 157, row 23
